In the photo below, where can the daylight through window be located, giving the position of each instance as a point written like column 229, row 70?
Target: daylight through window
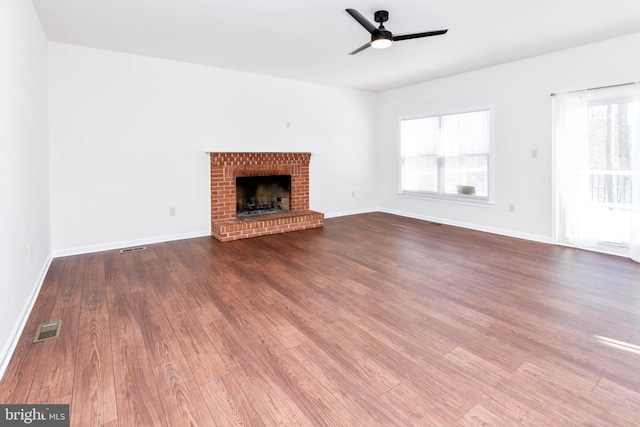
column 597, row 169
column 447, row 155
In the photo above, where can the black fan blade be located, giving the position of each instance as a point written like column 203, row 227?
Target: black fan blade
column 418, row 35
column 362, row 20
column 363, row 47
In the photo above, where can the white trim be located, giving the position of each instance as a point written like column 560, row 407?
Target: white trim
column 10, row 347
column 601, row 249
column 447, row 112
column 354, row 212
column 554, row 178
column 492, row 230
column 125, row 244
column 460, row 200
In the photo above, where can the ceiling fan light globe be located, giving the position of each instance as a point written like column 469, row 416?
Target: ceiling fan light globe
column 381, row 43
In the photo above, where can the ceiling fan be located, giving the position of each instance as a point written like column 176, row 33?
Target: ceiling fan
column 381, row 38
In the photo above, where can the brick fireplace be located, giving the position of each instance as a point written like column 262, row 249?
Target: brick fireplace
column 226, row 167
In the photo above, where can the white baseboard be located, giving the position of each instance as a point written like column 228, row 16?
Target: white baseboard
column 492, row 230
column 126, row 244
column 10, row 347
column 354, row 212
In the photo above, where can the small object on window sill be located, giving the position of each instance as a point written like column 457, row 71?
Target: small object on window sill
column 467, row 189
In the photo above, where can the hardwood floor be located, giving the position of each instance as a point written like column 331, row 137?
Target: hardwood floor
column 373, row 320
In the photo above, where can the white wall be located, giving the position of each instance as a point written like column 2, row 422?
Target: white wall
column 520, row 94
column 128, row 137
column 24, row 188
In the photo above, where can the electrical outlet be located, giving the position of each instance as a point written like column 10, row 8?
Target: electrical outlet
column 172, row 211
column 534, row 153
column 512, row 207
column 353, row 193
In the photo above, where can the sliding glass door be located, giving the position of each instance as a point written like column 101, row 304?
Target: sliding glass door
column 597, row 174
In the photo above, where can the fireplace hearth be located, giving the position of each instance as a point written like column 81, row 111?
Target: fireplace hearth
column 238, row 212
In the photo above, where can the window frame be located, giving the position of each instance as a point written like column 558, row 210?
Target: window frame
column 440, row 195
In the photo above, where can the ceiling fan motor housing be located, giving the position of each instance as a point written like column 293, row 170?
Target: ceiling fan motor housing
column 381, row 34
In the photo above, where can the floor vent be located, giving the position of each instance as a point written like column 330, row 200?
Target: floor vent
column 136, row 249
column 47, row 331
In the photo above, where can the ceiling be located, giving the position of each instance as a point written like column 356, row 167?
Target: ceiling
column 309, row 40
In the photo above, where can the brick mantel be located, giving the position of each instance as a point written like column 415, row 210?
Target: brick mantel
column 226, row 167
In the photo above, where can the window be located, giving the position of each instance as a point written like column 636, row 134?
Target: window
column 447, row 155
column 597, row 175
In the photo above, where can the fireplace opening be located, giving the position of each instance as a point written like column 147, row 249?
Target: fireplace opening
column 262, row 195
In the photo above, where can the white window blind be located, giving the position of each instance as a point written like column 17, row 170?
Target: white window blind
column 447, row 155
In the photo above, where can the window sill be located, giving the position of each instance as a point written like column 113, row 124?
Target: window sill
column 459, row 200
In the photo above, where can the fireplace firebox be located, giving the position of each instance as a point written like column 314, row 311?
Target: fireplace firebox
column 262, row 195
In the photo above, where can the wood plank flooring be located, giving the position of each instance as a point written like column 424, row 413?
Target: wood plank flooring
column 373, row 320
